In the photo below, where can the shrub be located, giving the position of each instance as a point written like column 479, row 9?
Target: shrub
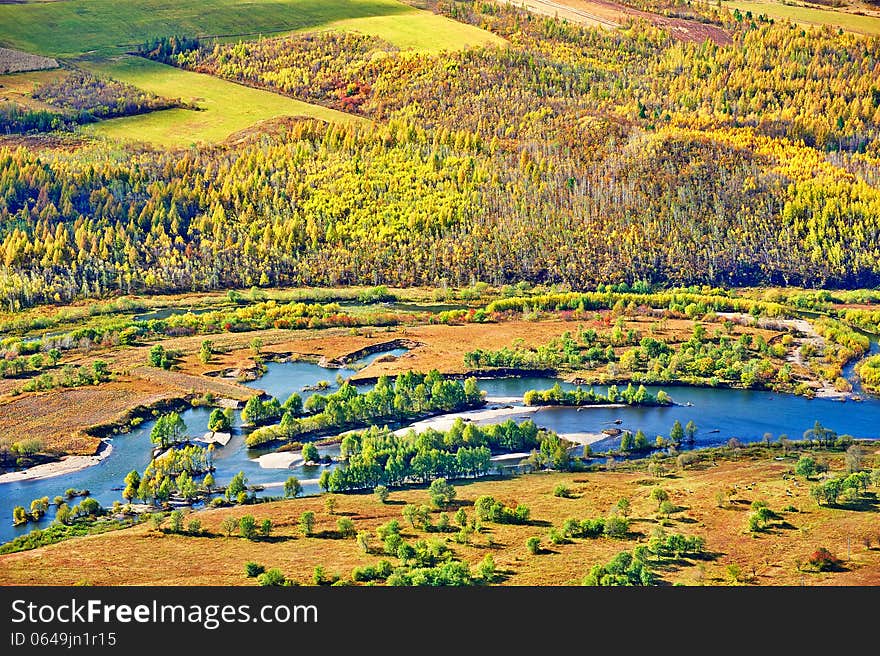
column 247, row 527
column 534, row 544
column 555, row 537
column 345, row 527
column 253, row 569
column 823, row 560
column 561, row 491
column 176, row 518
column 381, row 493
column 272, row 577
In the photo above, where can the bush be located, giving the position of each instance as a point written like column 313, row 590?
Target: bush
column 555, row 537
column 561, row 491
column 176, row 518
column 194, row 527
column 534, row 545
column 273, row 577
column 345, row 527
column 381, row 493
column 247, row 527
column 823, row 560
column 253, row 569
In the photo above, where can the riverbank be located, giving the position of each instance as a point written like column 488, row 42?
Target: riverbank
column 770, row 559
column 66, row 465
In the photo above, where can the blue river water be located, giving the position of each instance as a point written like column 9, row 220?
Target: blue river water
column 718, row 413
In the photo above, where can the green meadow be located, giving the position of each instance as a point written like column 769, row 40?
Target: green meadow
column 99, row 32
column 418, row 30
column 106, row 27
column 224, row 107
column 811, row 16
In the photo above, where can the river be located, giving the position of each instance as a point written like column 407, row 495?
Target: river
column 132, row 450
column 718, row 413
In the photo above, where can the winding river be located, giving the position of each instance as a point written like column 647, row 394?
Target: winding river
column 718, row 413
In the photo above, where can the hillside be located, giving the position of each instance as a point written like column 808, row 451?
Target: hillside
column 777, row 555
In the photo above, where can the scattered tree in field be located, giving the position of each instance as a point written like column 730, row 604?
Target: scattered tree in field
column 253, row 569
column 486, row 569
column 156, row 520
column 307, row 523
column 441, row 492
column 229, row 525
column 616, row 526
column 623, row 506
column 854, row 458
column 534, row 545
column 272, row 577
column 206, row 351
column 624, row 569
column 292, row 487
column 345, row 527
column 330, row 503
column 159, row 357
column 176, row 521
column 247, row 527
column 381, row 493
column 806, row 466
column 659, row 495
column 562, row 491
column 823, row 560
column 363, row 541
column 266, row 527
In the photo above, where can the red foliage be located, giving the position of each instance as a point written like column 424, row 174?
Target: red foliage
column 824, row 560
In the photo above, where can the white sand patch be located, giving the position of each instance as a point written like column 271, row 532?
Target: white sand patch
column 584, row 438
column 280, row 460
column 505, row 399
column 213, row 437
column 479, row 417
column 510, row 456
column 67, row 465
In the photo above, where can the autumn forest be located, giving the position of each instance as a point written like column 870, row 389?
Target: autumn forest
column 573, row 156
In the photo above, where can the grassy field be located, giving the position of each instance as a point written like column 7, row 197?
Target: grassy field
column 17, row 87
column 68, row 29
column 99, row 32
column 225, row 107
column 776, row 556
column 101, row 27
column 810, row 16
column 417, row 30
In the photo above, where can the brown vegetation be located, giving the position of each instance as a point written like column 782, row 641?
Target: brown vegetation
column 777, row 556
column 62, row 417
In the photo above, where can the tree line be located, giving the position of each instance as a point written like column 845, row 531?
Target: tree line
column 410, row 395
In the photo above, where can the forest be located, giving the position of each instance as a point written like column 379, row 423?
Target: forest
column 573, row 156
column 76, row 98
